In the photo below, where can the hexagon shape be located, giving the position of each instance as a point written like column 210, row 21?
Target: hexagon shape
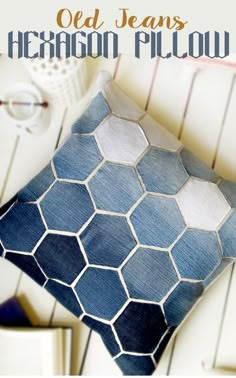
column 121, row 104
column 181, row 300
column 65, row 296
column 115, row 188
column 115, row 240
column 229, row 190
column 140, row 327
column 225, row 262
column 197, row 168
column 21, row 227
column 101, row 292
column 162, row 171
column 60, row 257
column 37, row 186
column 158, row 136
column 196, row 254
column 28, row 264
column 227, row 236
column 67, row 206
column 135, row 365
column 96, row 112
column 144, row 269
column 78, row 157
column 157, row 221
column 202, row 204
column 121, row 140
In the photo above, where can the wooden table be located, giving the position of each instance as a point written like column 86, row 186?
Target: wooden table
column 198, row 104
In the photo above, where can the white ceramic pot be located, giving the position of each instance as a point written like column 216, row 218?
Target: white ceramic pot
column 21, row 108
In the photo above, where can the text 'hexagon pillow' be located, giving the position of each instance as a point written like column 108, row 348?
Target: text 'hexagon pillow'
column 125, row 227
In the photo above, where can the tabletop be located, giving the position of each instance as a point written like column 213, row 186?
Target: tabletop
column 197, row 103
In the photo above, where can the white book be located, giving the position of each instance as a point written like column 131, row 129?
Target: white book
column 35, row 351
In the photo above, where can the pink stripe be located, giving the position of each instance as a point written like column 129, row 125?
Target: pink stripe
column 218, row 62
column 117, row 66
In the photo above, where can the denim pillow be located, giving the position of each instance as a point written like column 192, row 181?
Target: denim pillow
column 125, row 227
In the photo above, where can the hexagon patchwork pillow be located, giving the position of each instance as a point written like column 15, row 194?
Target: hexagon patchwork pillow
column 125, row 227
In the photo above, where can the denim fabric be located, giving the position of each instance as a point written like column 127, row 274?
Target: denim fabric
column 106, row 332
column 121, row 104
column 115, row 240
column 157, row 221
column 181, row 300
column 80, row 240
column 77, row 158
column 158, row 136
column 196, row 167
column 1, row 249
column 196, row 254
column 115, row 188
column 7, row 205
column 65, row 296
column 101, row 292
column 163, row 343
column 67, row 207
column 135, row 365
column 93, row 116
column 140, row 327
column 228, row 236
column 60, row 257
column 202, row 204
column 229, row 190
column 145, row 267
column 162, row 171
column 121, row 140
column 21, row 228
column 225, row 262
column 28, row 265
column 37, row 186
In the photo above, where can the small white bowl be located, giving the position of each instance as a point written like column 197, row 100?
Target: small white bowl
column 24, row 116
